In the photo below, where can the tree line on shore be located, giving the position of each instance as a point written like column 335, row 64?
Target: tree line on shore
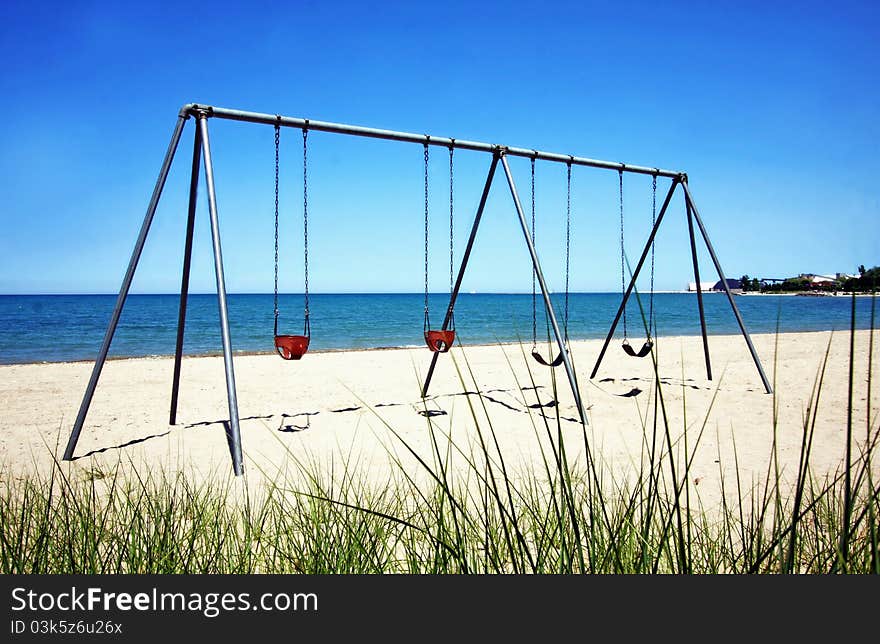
column 867, row 282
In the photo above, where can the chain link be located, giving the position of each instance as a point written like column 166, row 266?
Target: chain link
column 277, row 142
column 427, row 321
column 622, row 250
column 306, row 228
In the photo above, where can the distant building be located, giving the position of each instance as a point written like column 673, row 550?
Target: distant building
column 733, row 284
column 704, row 286
column 819, row 281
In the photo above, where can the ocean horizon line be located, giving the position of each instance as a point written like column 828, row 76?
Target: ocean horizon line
column 263, row 293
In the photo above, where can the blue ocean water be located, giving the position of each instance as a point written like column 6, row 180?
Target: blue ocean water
column 52, row 328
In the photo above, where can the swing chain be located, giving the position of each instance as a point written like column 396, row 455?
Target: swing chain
column 427, row 321
column 306, row 225
column 653, row 223
column 567, row 242
column 277, row 143
column 451, row 212
column 534, row 299
column 622, row 250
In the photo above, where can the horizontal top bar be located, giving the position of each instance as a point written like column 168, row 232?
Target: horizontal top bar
column 193, row 109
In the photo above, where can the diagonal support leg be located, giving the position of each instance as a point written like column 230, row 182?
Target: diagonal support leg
column 464, row 260
column 742, row 326
column 635, row 275
column 124, row 289
column 690, row 220
column 572, row 378
column 184, row 281
column 235, row 430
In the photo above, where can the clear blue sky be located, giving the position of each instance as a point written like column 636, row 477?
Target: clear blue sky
column 771, row 108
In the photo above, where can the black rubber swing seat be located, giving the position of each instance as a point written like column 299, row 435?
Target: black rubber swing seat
column 641, row 353
column 540, row 359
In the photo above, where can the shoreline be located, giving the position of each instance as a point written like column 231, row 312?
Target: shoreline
column 356, row 350
column 29, row 332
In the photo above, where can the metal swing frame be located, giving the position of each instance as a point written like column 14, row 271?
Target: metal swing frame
column 202, row 155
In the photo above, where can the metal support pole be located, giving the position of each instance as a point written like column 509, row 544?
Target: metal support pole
column 184, row 281
column 742, row 326
column 635, row 275
column 690, row 220
column 123, row 290
column 572, row 379
column 237, row 465
column 464, row 260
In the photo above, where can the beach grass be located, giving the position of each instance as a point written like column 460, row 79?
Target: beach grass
column 465, row 509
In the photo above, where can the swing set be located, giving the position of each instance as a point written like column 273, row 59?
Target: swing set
column 438, row 340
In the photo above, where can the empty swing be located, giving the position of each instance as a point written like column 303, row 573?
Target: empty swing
column 439, row 340
column 293, row 347
column 649, row 343
column 559, row 359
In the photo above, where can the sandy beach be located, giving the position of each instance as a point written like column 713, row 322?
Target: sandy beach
column 337, row 407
